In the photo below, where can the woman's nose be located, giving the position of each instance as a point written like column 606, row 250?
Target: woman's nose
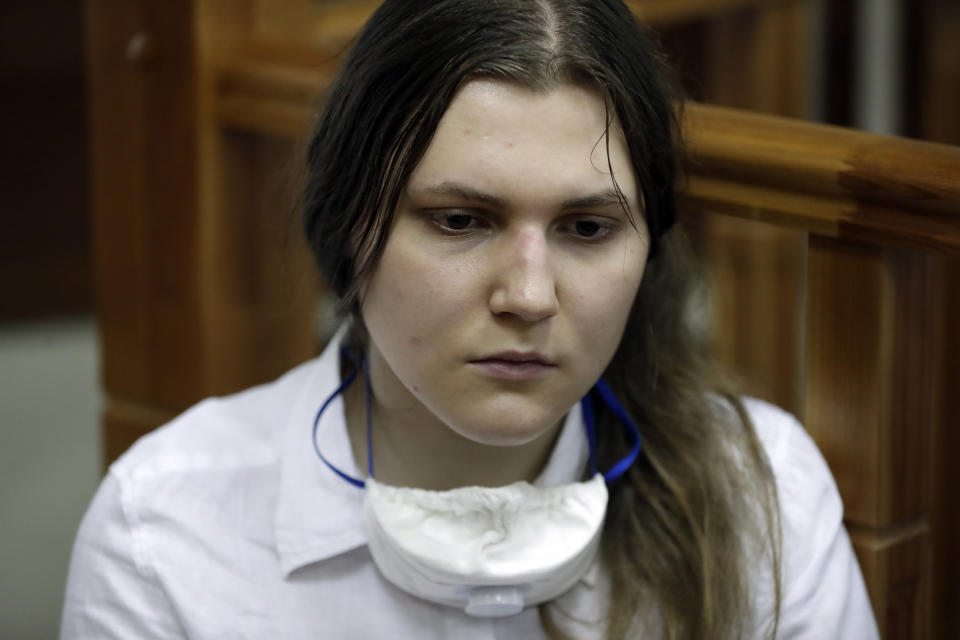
column 524, row 282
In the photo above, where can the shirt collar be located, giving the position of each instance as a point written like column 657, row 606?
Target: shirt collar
column 319, row 515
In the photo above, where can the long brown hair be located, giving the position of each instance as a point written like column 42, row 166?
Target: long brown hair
column 686, row 526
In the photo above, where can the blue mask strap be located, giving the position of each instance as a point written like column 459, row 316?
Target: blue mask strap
column 606, row 394
column 600, row 387
column 587, row 408
column 369, row 393
column 316, row 423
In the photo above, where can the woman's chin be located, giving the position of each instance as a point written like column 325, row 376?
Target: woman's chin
column 506, row 434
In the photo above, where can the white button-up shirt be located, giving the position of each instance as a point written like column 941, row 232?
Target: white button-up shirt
column 225, row 524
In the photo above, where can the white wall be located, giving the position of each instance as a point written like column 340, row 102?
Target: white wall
column 49, row 465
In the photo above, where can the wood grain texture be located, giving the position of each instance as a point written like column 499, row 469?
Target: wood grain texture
column 939, row 72
column 190, row 305
column 872, row 390
column 757, row 58
column 144, row 195
column 827, row 160
column 870, row 395
column 125, row 422
column 896, row 566
column 945, row 512
column 260, row 284
column 760, row 267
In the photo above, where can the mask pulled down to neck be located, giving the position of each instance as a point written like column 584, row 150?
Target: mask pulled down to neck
column 489, row 550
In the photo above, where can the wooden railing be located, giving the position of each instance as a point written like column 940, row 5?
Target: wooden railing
column 829, row 181
column 880, row 305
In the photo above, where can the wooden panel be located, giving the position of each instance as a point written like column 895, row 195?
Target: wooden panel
column 872, row 385
column 945, row 514
column 190, row 305
column 125, row 422
column 756, row 274
column 759, row 59
column 894, row 565
column 870, row 376
column 260, row 288
column 270, row 99
column 144, row 188
column 939, row 72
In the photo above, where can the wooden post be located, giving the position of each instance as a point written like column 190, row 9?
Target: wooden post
column 871, row 384
column 190, row 305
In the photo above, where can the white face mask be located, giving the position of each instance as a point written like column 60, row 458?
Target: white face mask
column 491, row 551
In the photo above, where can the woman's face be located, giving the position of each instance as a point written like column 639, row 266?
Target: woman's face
column 510, row 269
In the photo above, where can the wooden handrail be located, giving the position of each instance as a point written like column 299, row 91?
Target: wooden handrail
column 263, row 97
column 811, row 177
column 826, row 180
column 830, row 160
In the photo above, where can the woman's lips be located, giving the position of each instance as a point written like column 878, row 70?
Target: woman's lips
column 514, row 366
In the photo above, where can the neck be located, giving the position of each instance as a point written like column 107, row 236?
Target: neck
column 414, row 448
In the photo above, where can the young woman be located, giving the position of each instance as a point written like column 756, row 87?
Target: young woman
column 516, row 433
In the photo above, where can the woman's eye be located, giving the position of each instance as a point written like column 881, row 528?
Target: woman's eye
column 588, row 229
column 459, row 221
column 455, row 221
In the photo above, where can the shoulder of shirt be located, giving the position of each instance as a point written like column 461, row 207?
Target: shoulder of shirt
column 794, row 457
column 235, row 431
column 811, row 509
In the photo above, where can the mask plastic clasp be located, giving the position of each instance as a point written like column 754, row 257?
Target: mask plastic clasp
column 494, row 602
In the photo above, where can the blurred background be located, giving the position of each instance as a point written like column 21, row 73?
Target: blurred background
column 111, row 107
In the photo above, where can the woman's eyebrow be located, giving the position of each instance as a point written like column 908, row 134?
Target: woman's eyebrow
column 597, row 200
column 465, row 193
column 590, row 201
